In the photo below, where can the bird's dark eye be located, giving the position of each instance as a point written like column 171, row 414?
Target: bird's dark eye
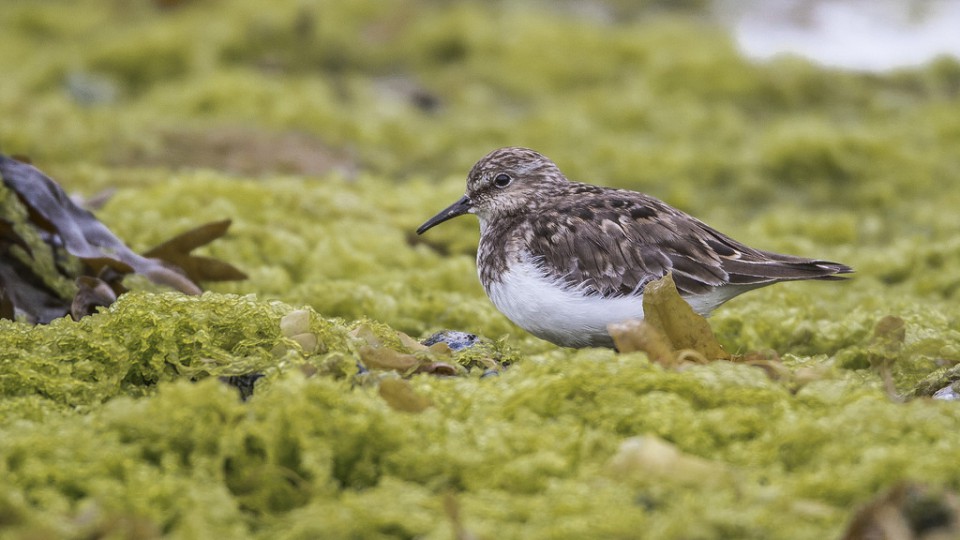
column 502, row 180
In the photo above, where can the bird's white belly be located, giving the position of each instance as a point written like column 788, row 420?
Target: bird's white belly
column 555, row 312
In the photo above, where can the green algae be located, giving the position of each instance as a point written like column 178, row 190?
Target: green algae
column 537, row 436
column 40, row 259
column 117, row 425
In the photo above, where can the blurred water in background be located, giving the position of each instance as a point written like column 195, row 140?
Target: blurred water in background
column 868, row 35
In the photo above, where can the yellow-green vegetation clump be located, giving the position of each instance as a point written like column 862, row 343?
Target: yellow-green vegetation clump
column 328, row 132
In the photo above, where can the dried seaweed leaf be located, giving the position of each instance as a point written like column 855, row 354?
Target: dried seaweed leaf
column 673, row 317
column 884, row 349
column 177, row 251
column 908, row 512
column 81, row 234
column 29, row 293
column 635, row 335
column 401, row 396
column 61, row 242
column 440, row 349
column 671, row 332
column 388, row 351
column 95, row 201
column 411, row 344
column 442, row 369
column 769, row 362
column 890, row 333
column 648, row 458
column 91, row 293
column 6, row 305
column 387, row 358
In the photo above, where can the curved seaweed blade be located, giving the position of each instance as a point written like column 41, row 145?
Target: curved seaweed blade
column 177, row 251
column 83, row 236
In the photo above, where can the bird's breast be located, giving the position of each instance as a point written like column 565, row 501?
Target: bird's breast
column 549, row 309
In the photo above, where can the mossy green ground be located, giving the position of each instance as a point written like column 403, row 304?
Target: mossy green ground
column 116, row 426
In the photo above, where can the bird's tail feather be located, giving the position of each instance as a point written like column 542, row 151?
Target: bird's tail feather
column 776, row 267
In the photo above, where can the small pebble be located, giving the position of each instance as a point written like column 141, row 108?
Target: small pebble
column 947, row 393
column 454, row 339
column 295, row 322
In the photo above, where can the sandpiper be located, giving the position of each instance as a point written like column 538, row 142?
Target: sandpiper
column 563, row 259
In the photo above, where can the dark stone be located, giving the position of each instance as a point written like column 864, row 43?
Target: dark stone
column 454, row 339
column 243, row 383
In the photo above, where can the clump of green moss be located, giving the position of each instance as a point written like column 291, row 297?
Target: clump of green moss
column 537, row 437
column 144, row 340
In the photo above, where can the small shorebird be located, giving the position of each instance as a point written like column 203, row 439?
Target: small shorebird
column 563, row 259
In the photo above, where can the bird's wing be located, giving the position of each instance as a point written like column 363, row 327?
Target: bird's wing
column 615, row 245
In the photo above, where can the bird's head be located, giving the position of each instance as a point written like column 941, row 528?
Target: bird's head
column 506, row 181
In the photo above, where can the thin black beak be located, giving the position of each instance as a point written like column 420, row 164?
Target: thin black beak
column 458, row 208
